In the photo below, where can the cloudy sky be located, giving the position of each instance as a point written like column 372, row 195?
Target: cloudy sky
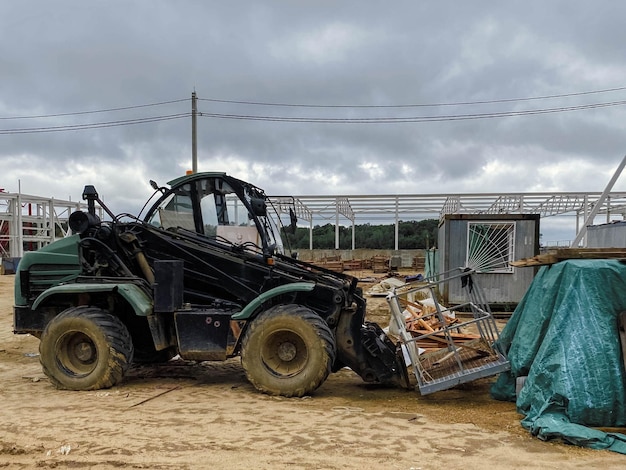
column 328, row 97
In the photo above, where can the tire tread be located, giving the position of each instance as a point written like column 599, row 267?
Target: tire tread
column 119, row 343
column 306, row 385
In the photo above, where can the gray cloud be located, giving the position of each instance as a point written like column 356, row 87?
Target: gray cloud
column 73, row 56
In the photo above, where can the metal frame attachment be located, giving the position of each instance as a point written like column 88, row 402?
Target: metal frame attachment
column 458, row 359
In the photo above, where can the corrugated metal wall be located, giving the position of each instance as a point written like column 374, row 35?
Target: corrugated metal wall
column 611, row 235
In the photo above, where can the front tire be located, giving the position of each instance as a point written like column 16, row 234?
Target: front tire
column 288, row 350
column 85, row 348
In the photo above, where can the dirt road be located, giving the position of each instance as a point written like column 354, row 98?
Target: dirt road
column 197, row 416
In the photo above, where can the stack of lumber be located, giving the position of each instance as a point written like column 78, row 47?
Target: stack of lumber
column 352, row 265
column 422, row 320
column 336, row 266
column 418, row 263
column 554, row 256
column 333, row 263
column 380, row 264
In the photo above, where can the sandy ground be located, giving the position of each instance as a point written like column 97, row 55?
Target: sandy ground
column 196, row 416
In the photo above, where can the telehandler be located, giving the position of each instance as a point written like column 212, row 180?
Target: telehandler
column 203, row 275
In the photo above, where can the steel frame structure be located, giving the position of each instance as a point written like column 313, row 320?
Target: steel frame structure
column 40, row 220
column 30, row 222
column 396, row 208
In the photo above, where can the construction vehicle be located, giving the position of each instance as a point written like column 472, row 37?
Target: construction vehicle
column 191, row 279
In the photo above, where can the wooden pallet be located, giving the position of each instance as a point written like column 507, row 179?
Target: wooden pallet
column 352, row 265
column 380, row 264
column 418, row 263
column 336, row 266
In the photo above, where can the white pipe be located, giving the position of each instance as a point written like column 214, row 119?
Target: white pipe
column 599, row 203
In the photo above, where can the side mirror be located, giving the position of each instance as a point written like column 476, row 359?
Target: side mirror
column 293, row 219
column 259, row 207
column 156, row 187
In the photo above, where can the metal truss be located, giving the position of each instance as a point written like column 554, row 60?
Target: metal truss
column 396, row 208
column 30, row 222
column 437, row 205
column 283, row 204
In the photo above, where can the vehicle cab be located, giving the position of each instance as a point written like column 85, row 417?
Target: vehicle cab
column 220, row 207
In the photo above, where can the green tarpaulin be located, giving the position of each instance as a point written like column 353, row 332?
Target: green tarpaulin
column 563, row 337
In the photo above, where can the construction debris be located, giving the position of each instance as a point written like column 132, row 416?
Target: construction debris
column 437, row 343
column 429, row 328
column 385, row 286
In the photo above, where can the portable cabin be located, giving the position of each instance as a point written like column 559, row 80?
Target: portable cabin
column 487, row 243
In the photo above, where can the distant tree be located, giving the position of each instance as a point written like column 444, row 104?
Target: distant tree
column 412, row 234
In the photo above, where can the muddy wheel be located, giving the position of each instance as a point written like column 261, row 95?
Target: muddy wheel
column 288, row 350
column 85, row 348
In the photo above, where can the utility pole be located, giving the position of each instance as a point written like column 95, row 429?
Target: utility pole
column 194, row 139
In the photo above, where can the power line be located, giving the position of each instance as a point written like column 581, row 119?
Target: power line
column 96, row 125
column 322, row 120
column 419, row 105
column 411, row 119
column 78, row 113
column 329, row 120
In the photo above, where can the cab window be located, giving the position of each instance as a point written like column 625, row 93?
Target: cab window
column 175, row 211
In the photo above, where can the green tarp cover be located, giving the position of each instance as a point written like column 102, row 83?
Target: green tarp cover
column 564, row 337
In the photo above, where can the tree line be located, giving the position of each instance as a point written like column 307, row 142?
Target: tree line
column 419, row 234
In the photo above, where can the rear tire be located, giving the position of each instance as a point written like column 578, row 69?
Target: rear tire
column 288, row 350
column 85, row 348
